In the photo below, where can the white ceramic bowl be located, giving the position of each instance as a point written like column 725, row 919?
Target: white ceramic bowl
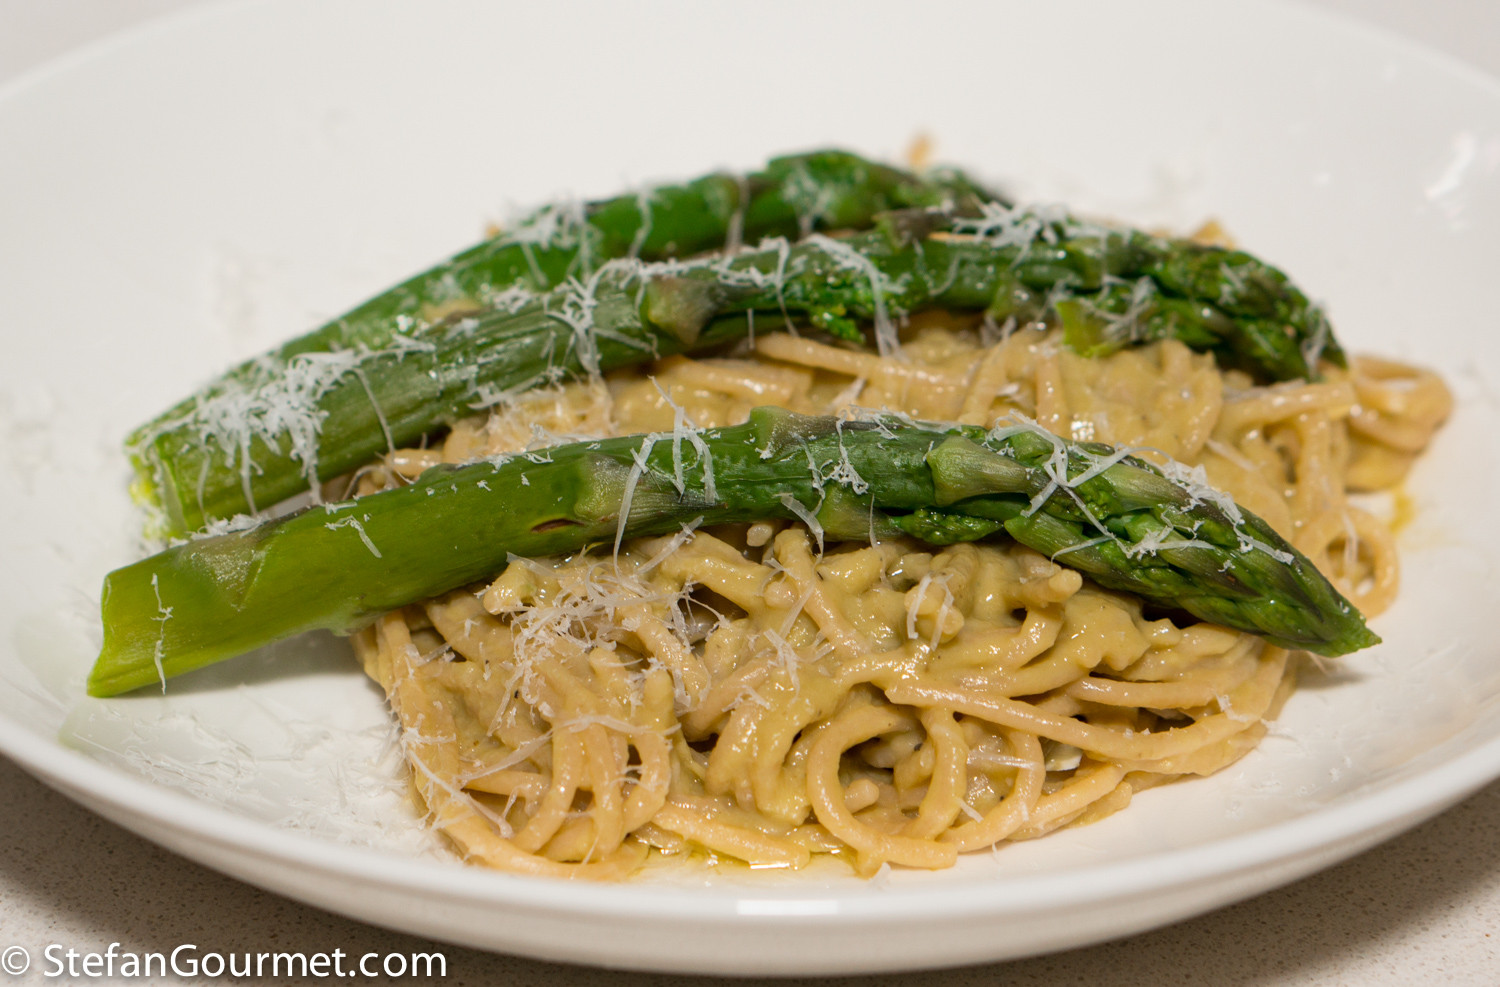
column 194, row 192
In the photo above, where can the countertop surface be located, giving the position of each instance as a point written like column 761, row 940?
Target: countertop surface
column 1423, row 908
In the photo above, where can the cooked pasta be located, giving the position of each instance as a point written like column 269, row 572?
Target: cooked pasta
column 737, row 692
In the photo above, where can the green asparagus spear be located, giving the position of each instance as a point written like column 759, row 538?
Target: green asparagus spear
column 792, row 196
column 1118, row 519
column 327, row 413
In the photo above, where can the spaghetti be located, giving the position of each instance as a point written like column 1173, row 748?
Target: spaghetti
column 744, row 691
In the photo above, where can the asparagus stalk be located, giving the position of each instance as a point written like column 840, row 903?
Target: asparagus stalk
column 791, row 196
column 235, row 450
column 1118, row 519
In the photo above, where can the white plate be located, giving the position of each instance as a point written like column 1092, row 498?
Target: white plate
column 196, row 191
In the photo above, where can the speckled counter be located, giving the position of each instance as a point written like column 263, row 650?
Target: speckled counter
column 1424, row 908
